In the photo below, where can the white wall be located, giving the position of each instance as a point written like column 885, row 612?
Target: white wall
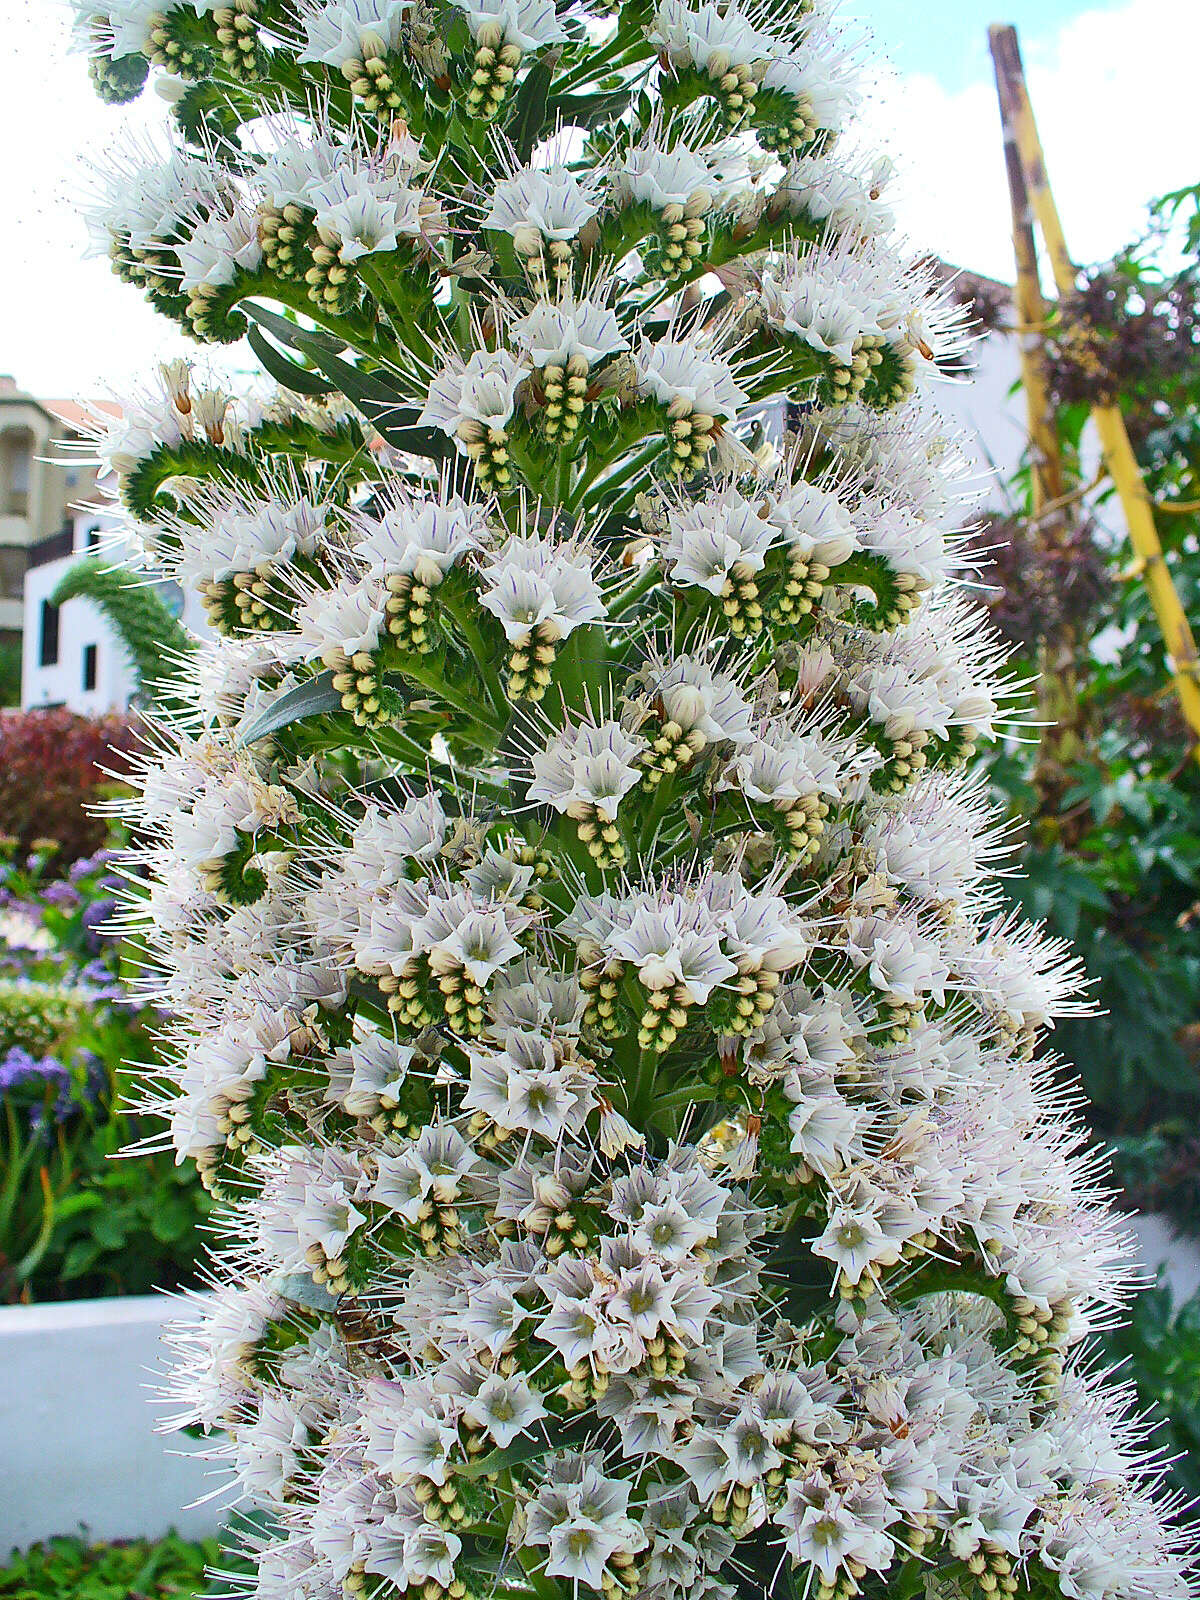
column 81, row 624
column 78, row 1447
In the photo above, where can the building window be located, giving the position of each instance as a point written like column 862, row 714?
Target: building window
column 90, row 655
column 48, row 636
column 91, row 538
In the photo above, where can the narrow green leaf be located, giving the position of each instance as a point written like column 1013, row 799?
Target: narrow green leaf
column 312, row 698
column 290, row 333
column 530, row 1448
column 529, row 108
column 286, row 372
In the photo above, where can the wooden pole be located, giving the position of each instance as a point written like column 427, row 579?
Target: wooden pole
column 1021, row 129
column 1030, row 306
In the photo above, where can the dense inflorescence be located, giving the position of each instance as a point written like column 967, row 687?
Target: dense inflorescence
column 592, row 1001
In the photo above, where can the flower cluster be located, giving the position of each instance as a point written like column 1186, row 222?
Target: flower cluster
column 589, row 999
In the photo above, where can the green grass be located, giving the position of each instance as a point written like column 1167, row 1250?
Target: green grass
column 68, row 1569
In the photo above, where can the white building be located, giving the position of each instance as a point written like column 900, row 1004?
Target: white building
column 71, row 656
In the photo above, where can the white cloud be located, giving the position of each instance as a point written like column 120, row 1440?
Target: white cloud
column 1114, row 92
column 1114, row 95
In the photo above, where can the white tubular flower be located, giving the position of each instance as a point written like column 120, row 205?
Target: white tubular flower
column 664, row 178
column 814, row 522
column 707, row 37
column 528, row 24
column 899, row 703
column 532, row 583
column 722, row 536
column 899, row 960
column 586, row 769
column 685, row 376
column 244, row 535
column 360, row 212
column 532, row 1086
column 482, row 390
column 832, row 194
column 369, row 1075
column 432, row 1166
column 782, row 766
column 672, row 944
column 220, row 245
column 144, row 202
column 811, row 298
column 505, row 1408
column 421, row 539
column 350, row 617
column 129, row 23
column 703, row 701
column 556, row 332
column 337, row 32
column 386, row 841
column 457, row 932
column 543, row 203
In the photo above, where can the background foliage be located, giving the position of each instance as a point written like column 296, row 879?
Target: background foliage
column 75, row 1221
column 1111, row 794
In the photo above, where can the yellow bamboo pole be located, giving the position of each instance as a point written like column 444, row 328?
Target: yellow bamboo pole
column 1018, row 119
column 1045, row 457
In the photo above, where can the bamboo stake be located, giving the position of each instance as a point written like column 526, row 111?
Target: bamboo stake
column 1018, row 119
column 1030, row 305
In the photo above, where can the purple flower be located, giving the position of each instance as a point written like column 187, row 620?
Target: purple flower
column 60, row 894
column 96, row 918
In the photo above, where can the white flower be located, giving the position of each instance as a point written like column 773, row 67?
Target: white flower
column 701, row 700
column 219, row 245
column 456, row 932
column 532, row 583
column 697, row 34
column 506, row 1408
column 483, row 390
column 899, row 959
column 585, row 767
column 350, row 616
column 358, row 213
column 340, row 31
column 673, row 944
column 554, row 332
column 531, row 1086
column 241, row 535
column 432, row 1166
column 814, row 522
column 812, row 299
column 528, row 24
column 682, row 372
column 711, row 539
column 825, row 1534
column 781, row 766
column 550, row 203
column 370, row 1073
column 421, row 539
column 663, row 178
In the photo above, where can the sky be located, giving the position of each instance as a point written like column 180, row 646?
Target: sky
column 1112, row 81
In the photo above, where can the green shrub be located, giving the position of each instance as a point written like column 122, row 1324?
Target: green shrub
column 68, row 1569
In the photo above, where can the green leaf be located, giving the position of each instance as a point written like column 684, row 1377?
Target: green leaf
column 529, row 108
column 301, row 1289
column 286, row 372
column 312, row 698
column 291, row 333
column 530, row 1448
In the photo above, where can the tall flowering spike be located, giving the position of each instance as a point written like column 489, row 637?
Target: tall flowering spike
column 642, row 1172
